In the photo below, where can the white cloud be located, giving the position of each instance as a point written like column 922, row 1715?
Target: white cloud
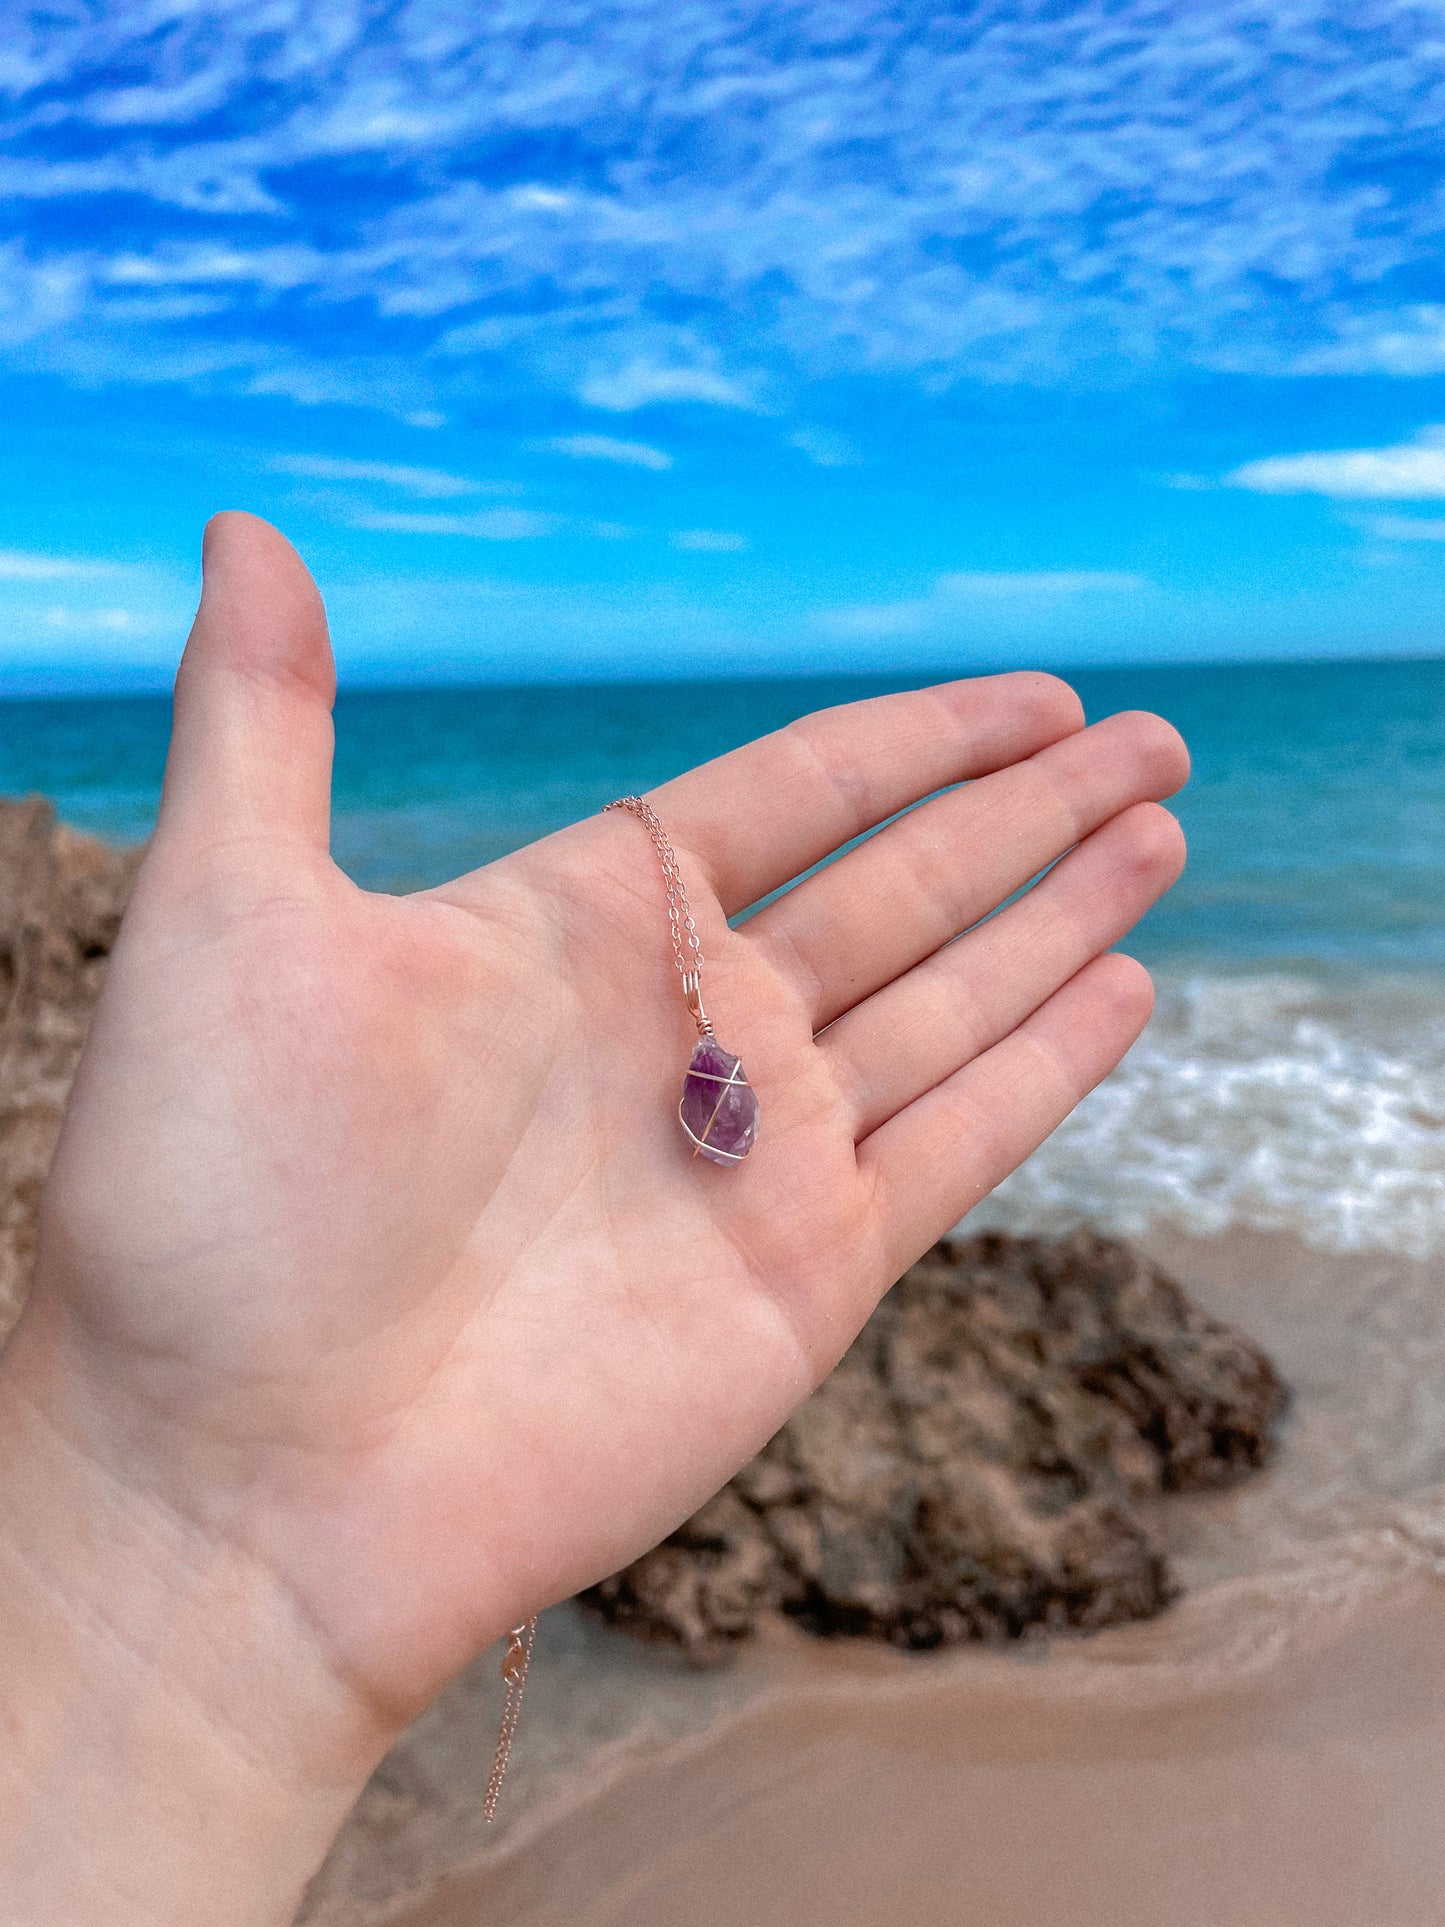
column 170, row 266
column 1002, row 191
column 971, row 592
column 710, row 541
column 16, row 565
column 1406, row 528
column 640, row 383
column 1408, row 342
column 110, row 621
column 490, row 525
column 1408, row 471
column 826, row 447
column 37, row 297
column 163, row 307
column 91, row 610
column 545, row 198
column 1035, row 582
column 412, row 481
column 606, row 448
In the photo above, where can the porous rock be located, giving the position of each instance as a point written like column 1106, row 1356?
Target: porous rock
column 989, row 1458
column 61, row 898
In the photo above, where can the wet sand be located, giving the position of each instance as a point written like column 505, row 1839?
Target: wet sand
column 1309, row 1798
column 1267, row 1754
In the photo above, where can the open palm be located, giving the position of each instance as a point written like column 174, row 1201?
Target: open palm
column 374, row 1215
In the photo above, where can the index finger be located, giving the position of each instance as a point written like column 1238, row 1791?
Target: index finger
column 763, row 814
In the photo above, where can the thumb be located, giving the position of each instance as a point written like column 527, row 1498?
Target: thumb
column 251, row 736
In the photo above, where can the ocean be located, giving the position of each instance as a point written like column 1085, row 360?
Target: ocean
column 1294, row 1076
column 1266, row 1754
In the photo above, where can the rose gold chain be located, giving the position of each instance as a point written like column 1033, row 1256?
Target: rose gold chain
column 515, row 1661
column 686, row 944
column 687, row 954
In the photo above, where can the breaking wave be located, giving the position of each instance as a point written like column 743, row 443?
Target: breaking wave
column 1277, row 1102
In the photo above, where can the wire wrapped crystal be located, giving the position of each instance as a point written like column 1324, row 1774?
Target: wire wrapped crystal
column 719, row 1108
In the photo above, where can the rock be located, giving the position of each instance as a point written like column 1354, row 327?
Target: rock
column 61, row 897
column 987, row 1459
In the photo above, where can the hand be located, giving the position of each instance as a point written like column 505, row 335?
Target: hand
column 373, row 1250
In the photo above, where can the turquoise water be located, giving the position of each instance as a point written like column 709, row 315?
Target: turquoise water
column 1316, row 816
column 1294, row 1075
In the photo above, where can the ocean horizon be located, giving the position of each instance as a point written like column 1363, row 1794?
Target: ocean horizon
column 1293, row 1076
column 1315, row 814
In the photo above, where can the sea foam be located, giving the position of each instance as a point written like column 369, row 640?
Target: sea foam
column 1278, row 1102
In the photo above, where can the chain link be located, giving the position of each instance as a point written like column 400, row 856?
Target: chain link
column 515, row 1662
column 686, row 946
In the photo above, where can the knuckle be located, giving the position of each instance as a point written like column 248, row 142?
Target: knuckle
column 813, row 739
column 1050, row 799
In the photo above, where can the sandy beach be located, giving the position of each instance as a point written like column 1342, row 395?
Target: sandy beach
column 1264, row 1755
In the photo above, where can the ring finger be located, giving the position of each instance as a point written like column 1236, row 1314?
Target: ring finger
column 904, row 893
column 915, row 1032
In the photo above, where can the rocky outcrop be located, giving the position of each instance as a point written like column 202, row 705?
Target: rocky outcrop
column 61, row 897
column 988, row 1458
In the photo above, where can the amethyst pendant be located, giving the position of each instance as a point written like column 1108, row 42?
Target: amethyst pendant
column 719, row 1108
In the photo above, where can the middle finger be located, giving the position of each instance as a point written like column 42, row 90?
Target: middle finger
column 871, row 915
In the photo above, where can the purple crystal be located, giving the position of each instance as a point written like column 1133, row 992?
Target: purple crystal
column 719, row 1108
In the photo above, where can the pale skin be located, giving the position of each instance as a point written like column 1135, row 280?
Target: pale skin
column 379, row 1303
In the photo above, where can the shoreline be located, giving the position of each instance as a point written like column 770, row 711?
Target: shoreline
column 1307, row 1800
column 1261, row 1755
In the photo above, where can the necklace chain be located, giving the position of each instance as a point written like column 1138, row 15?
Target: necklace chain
column 686, row 944
column 515, row 1661
column 687, row 955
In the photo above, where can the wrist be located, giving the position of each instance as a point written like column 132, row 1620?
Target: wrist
column 176, row 1745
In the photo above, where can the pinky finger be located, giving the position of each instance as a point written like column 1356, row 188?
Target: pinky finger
column 936, row 1159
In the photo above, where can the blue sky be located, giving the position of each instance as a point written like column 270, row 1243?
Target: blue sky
column 644, row 339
